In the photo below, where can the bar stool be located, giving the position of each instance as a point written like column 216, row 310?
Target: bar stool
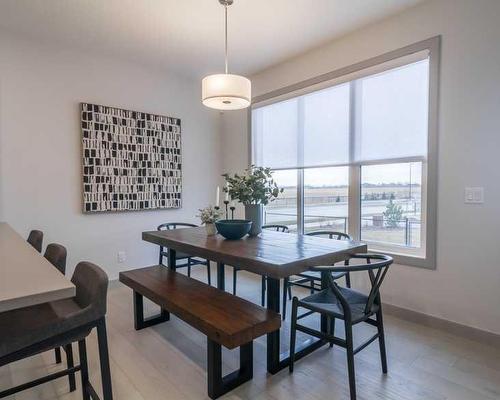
column 56, row 255
column 32, row 330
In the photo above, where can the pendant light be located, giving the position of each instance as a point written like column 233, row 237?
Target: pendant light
column 226, row 91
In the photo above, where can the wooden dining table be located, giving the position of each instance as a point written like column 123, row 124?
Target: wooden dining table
column 275, row 255
column 26, row 277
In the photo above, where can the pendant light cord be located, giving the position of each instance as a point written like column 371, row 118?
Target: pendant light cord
column 225, row 36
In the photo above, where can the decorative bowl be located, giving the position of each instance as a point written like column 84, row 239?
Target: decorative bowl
column 233, row 229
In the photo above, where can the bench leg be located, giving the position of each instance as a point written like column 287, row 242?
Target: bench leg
column 218, row 384
column 139, row 321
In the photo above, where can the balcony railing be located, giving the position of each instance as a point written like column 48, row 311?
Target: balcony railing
column 377, row 228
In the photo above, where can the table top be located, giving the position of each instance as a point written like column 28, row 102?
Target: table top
column 274, row 254
column 26, row 277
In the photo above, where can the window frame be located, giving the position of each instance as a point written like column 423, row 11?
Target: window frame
column 429, row 163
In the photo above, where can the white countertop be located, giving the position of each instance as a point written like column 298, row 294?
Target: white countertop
column 26, row 277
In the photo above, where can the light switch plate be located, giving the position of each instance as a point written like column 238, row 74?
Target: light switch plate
column 121, row 257
column 474, row 195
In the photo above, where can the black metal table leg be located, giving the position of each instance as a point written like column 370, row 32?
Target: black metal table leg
column 139, row 321
column 219, row 385
column 221, row 279
column 273, row 338
column 275, row 360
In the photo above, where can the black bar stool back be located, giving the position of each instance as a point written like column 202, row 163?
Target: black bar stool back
column 35, row 238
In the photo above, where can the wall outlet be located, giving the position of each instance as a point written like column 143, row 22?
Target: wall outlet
column 122, row 257
column 474, row 195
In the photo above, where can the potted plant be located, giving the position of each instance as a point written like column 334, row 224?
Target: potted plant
column 254, row 188
column 208, row 216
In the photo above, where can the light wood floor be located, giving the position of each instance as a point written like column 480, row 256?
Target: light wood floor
column 168, row 362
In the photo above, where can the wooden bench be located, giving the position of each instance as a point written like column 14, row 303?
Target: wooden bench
column 225, row 319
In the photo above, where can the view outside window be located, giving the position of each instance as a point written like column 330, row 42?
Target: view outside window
column 326, row 199
column 375, row 126
column 283, row 210
column 391, row 203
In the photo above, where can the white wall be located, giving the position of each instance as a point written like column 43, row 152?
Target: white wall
column 40, row 147
column 465, row 288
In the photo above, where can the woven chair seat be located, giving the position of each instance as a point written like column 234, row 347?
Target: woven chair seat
column 326, row 302
column 316, row 275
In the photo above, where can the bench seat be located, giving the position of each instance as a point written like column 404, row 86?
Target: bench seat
column 224, row 318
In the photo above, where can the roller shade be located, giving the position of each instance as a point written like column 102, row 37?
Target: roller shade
column 375, row 117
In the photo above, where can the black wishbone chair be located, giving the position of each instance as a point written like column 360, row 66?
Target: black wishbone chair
column 190, row 261
column 348, row 305
column 312, row 279
column 286, row 287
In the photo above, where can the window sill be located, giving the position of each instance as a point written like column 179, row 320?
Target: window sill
column 407, row 259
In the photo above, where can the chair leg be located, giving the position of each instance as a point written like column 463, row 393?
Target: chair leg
column 70, row 364
column 160, row 258
column 285, row 285
column 263, row 291
column 348, row 280
column 209, row 275
column 350, row 359
column 332, row 328
column 84, row 373
column 57, row 352
column 381, row 341
column 189, row 266
column 235, row 271
column 293, row 334
column 312, row 286
column 104, row 360
column 289, row 290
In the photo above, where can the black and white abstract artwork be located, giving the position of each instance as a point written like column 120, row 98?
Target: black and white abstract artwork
column 131, row 160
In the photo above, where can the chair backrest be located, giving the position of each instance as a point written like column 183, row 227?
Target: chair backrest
column 276, row 227
column 330, row 234
column 35, row 238
column 56, row 254
column 91, row 289
column 376, row 271
column 174, row 225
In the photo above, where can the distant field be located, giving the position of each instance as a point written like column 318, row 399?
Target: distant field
column 328, row 195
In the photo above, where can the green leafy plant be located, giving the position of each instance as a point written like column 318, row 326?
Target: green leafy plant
column 209, row 215
column 255, row 186
column 393, row 214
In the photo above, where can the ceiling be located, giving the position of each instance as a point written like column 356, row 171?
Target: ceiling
column 187, row 35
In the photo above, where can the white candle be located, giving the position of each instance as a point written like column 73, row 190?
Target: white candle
column 227, row 191
column 217, row 197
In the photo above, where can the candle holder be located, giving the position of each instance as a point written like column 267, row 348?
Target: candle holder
column 232, row 208
column 226, row 203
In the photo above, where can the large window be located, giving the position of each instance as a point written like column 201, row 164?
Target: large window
column 283, row 211
column 354, row 154
column 326, row 194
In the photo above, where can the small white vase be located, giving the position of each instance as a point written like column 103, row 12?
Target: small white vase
column 210, row 229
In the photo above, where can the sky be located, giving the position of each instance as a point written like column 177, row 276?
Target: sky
column 339, row 176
